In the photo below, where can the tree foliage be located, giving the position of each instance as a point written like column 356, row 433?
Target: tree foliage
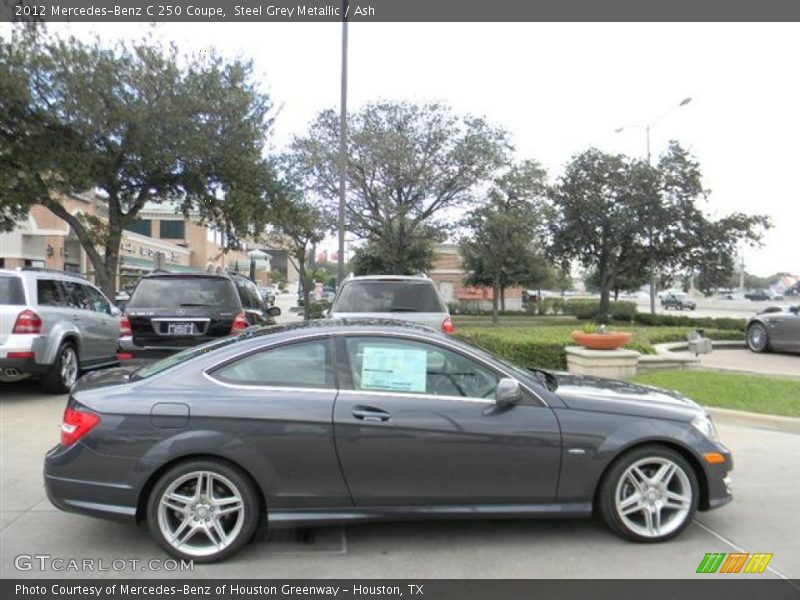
column 407, row 165
column 504, row 242
column 619, row 218
column 136, row 122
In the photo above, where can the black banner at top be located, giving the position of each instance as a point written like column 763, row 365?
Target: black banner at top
column 397, row 10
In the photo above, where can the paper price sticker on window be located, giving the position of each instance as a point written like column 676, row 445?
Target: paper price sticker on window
column 394, row 369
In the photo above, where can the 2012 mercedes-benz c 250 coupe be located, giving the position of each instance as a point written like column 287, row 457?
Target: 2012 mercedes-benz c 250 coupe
column 338, row 421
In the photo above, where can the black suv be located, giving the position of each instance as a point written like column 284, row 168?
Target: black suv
column 174, row 311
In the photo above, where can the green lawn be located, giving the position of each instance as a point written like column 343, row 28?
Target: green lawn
column 755, row 393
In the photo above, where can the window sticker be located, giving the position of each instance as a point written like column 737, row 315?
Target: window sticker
column 394, row 369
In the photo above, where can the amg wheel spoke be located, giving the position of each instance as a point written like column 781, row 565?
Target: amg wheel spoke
column 631, row 504
column 184, row 531
column 675, row 501
column 176, row 502
column 665, row 473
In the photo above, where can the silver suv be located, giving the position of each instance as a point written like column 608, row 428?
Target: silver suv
column 406, row 298
column 53, row 326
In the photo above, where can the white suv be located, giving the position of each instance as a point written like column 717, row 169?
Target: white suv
column 407, row 298
column 54, row 325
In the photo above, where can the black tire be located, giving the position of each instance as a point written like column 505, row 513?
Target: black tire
column 55, row 381
column 614, row 479
column 244, row 488
column 758, row 337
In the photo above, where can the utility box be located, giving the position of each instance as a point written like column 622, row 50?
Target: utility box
column 699, row 343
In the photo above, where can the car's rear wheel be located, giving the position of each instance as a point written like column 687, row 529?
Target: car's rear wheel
column 649, row 494
column 757, row 337
column 203, row 510
column 64, row 372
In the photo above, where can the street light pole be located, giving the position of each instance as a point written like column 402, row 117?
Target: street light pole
column 647, row 126
column 343, row 149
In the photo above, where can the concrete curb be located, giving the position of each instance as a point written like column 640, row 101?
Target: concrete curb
column 751, row 419
column 684, row 346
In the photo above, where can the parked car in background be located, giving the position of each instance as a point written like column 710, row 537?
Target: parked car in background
column 268, row 293
column 761, row 295
column 328, row 293
column 776, row 328
column 678, row 301
column 350, row 421
column 54, row 326
column 407, row 298
column 169, row 312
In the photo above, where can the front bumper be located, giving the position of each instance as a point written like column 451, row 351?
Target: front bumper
column 718, row 480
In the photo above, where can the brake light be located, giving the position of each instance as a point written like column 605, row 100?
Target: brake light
column 125, row 327
column 28, row 322
column 239, row 323
column 447, row 325
column 76, row 424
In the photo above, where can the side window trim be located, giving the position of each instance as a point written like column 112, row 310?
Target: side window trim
column 208, row 373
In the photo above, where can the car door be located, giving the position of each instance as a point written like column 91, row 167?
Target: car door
column 252, row 303
column 784, row 330
column 79, row 311
column 418, row 426
column 280, row 400
column 102, row 325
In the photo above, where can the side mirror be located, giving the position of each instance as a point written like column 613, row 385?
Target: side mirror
column 508, row 392
column 274, row 311
column 115, row 311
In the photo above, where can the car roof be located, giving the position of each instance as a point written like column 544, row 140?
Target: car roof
column 184, row 275
column 411, row 278
column 35, row 273
column 343, row 325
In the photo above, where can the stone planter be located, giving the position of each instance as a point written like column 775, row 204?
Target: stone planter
column 602, row 341
column 614, row 364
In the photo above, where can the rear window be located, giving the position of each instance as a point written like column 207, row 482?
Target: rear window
column 164, row 292
column 11, row 292
column 387, row 297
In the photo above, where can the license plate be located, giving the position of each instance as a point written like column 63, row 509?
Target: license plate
column 180, row 329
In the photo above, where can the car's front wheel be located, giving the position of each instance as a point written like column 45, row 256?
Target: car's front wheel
column 203, row 510
column 757, row 338
column 649, row 495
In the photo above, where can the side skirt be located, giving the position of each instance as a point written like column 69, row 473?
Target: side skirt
column 329, row 516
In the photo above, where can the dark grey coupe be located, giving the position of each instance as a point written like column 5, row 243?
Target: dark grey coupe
column 775, row 329
column 341, row 421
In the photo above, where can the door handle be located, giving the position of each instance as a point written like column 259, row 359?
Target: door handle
column 373, row 415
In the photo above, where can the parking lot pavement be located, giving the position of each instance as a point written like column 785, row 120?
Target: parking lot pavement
column 786, row 365
column 762, row 518
column 714, row 307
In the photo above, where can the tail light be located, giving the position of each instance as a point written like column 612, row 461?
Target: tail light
column 447, row 325
column 239, row 323
column 125, row 328
column 28, row 322
column 76, row 424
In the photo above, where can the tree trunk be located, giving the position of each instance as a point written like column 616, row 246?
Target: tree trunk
column 301, row 269
column 495, row 298
column 503, row 299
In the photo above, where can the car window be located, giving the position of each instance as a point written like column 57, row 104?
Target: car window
column 396, row 365
column 184, row 291
column 47, row 293
column 249, row 295
column 76, row 295
column 304, row 364
column 99, row 302
column 388, row 296
column 11, row 292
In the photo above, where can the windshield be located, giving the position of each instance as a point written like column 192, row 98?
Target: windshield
column 181, row 357
column 183, row 291
column 387, row 297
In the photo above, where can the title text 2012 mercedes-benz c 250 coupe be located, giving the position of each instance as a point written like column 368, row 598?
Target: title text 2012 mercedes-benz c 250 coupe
column 337, row 421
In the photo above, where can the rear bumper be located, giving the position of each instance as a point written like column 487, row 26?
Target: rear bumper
column 77, row 479
column 23, row 365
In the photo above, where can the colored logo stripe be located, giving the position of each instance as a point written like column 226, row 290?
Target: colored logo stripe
column 714, row 562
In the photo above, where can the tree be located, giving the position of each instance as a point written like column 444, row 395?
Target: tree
column 139, row 124
column 300, row 221
column 503, row 247
column 622, row 218
column 377, row 256
column 407, row 166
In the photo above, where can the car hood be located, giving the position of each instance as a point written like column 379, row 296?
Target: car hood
column 103, row 378
column 582, row 392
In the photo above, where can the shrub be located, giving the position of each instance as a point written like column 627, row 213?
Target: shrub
column 553, row 305
column 723, row 323
column 317, row 310
column 590, row 309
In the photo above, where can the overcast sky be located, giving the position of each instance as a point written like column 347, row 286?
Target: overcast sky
column 560, row 88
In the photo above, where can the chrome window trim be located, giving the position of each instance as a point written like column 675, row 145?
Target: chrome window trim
column 373, row 333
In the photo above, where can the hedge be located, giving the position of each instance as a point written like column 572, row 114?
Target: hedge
column 544, row 346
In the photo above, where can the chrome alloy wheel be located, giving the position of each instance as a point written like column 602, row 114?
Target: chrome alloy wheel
column 653, row 497
column 201, row 513
column 757, row 337
column 69, row 366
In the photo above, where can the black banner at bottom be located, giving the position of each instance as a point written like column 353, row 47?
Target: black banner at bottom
column 422, row 589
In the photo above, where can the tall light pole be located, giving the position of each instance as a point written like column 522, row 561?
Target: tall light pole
column 343, row 149
column 647, row 126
